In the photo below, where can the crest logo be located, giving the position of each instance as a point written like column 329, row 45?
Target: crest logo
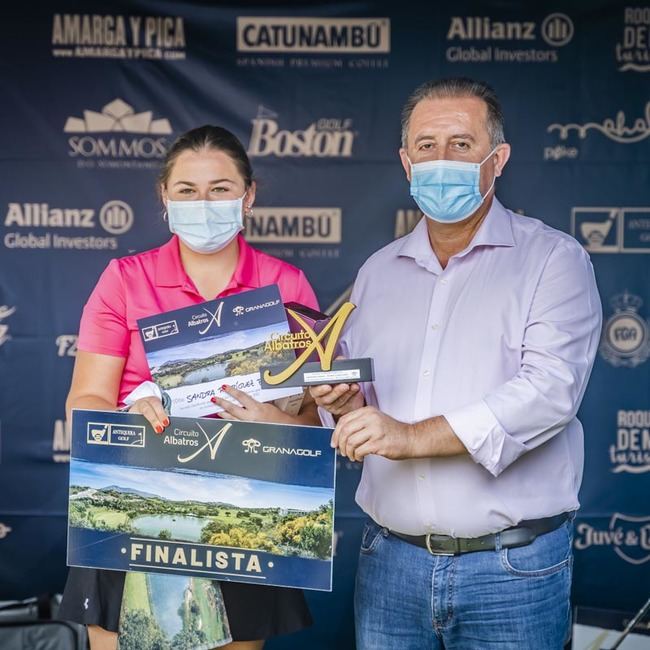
column 625, row 340
column 636, row 533
column 97, row 434
column 252, row 446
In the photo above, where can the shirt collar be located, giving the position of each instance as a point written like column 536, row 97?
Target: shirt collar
column 171, row 273
column 496, row 230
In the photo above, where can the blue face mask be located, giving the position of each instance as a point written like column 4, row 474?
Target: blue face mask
column 448, row 191
column 206, row 226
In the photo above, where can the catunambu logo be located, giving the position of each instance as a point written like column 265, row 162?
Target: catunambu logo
column 625, row 340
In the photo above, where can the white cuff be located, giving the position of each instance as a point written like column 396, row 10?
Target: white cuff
column 145, row 389
column 484, row 437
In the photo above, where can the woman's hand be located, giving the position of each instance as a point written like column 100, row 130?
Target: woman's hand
column 249, row 409
column 152, row 409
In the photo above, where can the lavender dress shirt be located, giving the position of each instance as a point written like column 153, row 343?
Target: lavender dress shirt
column 501, row 342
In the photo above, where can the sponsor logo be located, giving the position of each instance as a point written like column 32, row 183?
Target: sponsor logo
column 212, row 444
column 279, row 34
column 612, row 229
column 625, row 340
column 556, row 30
column 118, row 37
column 115, row 217
column 4, row 530
column 135, row 140
column 5, row 312
column 238, row 310
column 628, row 536
column 61, row 442
column 405, row 221
column 251, row 446
column 616, row 128
column 323, row 138
column 66, row 345
column 119, row 435
column 633, row 50
column 160, row 330
column 631, row 452
column 294, row 226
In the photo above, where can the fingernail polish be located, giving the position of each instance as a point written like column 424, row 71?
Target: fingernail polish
column 159, row 429
column 213, row 400
column 166, row 422
column 224, row 387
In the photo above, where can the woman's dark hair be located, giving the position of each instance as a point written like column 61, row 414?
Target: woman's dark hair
column 208, row 137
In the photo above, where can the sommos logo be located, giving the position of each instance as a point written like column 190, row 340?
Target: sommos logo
column 136, row 139
column 307, row 34
column 324, row 138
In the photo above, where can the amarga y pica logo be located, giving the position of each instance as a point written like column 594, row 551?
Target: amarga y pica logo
column 323, row 138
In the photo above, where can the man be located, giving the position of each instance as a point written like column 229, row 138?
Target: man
column 483, row 326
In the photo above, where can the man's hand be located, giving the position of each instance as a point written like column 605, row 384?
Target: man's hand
column 369, row 431
column 339, row 398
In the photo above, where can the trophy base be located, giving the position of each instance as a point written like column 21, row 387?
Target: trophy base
column 344, row 371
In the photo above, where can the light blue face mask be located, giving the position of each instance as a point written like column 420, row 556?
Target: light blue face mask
column 448, row 190
column 206, row 226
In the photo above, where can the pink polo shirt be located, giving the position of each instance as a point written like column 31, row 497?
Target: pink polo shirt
column 154, row 282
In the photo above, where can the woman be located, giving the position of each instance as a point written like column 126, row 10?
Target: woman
column 207, row 187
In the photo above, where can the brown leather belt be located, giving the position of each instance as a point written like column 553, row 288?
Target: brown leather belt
column 520, row 535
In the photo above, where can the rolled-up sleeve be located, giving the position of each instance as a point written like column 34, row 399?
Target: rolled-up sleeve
column 559, row 346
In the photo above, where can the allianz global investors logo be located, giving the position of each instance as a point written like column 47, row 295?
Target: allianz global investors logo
column 294, row 226
column 484, row 39
column 42, row 226
column 631, row 451
column 129, row 138
column 282, row 34
column 629, row 537
column 323, row 138
column 114, row 36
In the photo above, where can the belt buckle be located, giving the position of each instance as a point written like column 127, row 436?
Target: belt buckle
column 427, row 539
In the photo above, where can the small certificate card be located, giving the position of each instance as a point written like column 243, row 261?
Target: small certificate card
column 241, row 501
column 194, row 351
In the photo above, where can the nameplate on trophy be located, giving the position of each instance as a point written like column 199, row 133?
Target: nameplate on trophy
column 314, row 337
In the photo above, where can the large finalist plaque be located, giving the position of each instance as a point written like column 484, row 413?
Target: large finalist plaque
column 314, row 338
column 209, row 498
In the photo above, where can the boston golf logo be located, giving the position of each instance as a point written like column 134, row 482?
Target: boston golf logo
column 323, row 138
column 625, row 340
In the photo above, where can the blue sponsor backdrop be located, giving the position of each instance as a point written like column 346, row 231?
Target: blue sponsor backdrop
column 90, row 100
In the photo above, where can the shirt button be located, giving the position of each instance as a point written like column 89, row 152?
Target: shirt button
column 426, row 373
column 443, row 281
column 435, row 326
column 421, row 477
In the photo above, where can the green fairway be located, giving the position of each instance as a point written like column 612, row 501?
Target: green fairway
column 212, row 625
column 136, row 592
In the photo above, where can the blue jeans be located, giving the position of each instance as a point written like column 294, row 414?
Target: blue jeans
column 506, row 599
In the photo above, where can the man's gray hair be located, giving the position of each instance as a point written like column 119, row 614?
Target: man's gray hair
column 458, row 87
